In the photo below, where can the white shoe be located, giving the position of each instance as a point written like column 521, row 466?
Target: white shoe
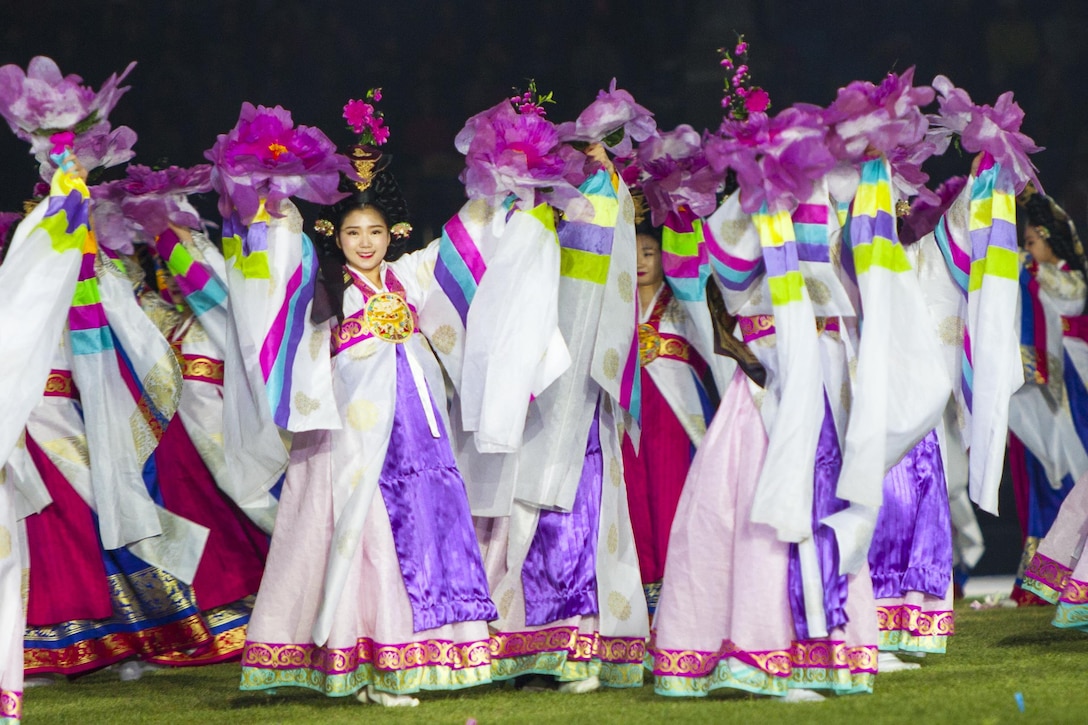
column 135, row 669
column 385, row 699
column 579, row 687
column 39, row 681
column 800, row 695
column 888, row 662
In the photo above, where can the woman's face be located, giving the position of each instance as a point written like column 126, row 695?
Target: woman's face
column 364, row 238
column 1038, row 247
column 649, row 262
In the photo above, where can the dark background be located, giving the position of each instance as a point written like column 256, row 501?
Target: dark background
column 440, row 62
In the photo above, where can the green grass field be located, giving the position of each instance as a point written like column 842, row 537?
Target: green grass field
column 995, row 654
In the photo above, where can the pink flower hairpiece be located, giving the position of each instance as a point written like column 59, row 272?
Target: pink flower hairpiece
column 740, row 97
column 366, row 120
column 531, row 101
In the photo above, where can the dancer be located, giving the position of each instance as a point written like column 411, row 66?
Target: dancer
column 374, row 583
column 678, row 399
column 548, row 493
column 1049, row 415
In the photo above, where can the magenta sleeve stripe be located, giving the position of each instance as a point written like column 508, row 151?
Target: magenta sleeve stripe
column 987, row 162
column 274, row 339
column 87, row 317
column 810, row 214
column 678, row 266
column 466, row 248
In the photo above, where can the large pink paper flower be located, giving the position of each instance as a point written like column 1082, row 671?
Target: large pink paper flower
column 153, row 199
column 928, row 209
column 881, row 117
column 675, row 175
column 613, row 118
column 777, row 160
column 265, row 157
column 511, row 153
column 994, row 129
column 41, row 102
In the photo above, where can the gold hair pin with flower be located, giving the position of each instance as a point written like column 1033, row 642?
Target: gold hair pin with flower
column 364, row 119
column 324, row 227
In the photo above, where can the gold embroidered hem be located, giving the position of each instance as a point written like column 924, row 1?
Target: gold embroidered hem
column 813, row 664
column 399, row 668
column 97, row 652
column 912, row 620
column 1045, row 578
column 567, row 654
column 228, row 627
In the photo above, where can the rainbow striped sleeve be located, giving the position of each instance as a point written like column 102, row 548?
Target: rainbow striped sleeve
column 460, row 265
column 810, row 230
column 684, row 257
column 780, row 256
column 992, row 228
column 202, row 291
column 873, row 235
column 89, row 330
column 283, row 337
column 586, row 247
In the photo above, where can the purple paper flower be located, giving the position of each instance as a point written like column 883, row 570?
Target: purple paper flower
column 675, row 175
column 266, row 158
column 511, row 153
column 866, row 117
column 777, row 160
column 41, row 103
column 112, row 228
column 613, row 111
column 928, row 209
column 154, row 199
column 995, row 130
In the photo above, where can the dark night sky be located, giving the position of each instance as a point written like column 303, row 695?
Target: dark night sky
column 440, row 62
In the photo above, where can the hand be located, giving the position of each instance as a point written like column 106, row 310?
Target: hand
column 975, row 164
column 183, row 233
column 597, row 152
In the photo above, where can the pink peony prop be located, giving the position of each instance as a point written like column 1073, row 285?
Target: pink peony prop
column 675, row 174
column 777, row 160
column 266, row 158
column 613, row 114
column 993, row 129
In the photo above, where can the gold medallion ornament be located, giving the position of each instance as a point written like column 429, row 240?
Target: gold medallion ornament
column 389, row 317
column 649, row 343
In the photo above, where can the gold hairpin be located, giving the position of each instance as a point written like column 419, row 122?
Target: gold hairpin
column 400, row 230
column 324, row 227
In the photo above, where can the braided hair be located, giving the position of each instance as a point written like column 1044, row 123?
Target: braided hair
column 383, row 195
column 1061, row 234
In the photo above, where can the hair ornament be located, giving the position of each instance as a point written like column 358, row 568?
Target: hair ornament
column 324, row 227
column 401, row 230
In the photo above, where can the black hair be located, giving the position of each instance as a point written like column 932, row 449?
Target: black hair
column 383, row 195
column 647, row 228
column 1042, row 212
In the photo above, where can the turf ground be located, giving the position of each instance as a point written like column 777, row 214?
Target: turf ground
column 995, row 654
